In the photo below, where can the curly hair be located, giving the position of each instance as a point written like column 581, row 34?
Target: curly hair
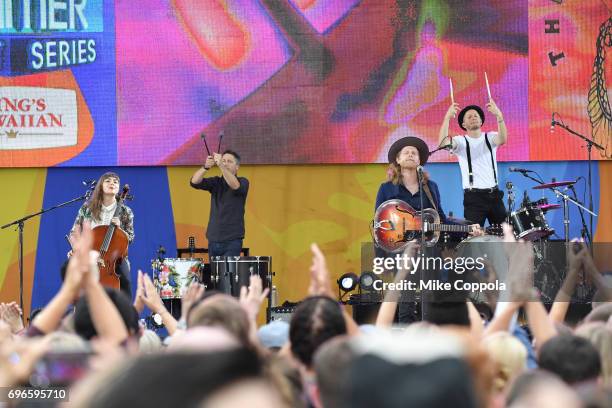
column 316, row 320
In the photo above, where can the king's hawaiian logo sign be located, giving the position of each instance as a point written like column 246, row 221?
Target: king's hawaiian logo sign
column 37, row 118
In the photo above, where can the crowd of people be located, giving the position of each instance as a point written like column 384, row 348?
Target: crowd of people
column 89, row 338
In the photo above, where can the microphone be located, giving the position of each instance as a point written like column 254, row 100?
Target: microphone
column 419, row 170
column 552, row 123
column 509, row 185
column 89, row 183
column 526, row 200
column 519, row 170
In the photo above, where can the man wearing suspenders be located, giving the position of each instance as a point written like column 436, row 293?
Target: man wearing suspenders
column 476, row 151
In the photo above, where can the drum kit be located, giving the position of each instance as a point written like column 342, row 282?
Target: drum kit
column 226, row 274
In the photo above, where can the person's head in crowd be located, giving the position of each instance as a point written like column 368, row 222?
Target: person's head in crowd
column 602, row 294
column 60, row 341
column 595, row 396
column 203, row 339
column 540, row 389
column 600, row 335
column 222, row 311
column 219, row 379
column 149, row 342
column 601, row 313
column 443, row 313
column 409, row 369
column 315, row 320
column 509, row 356
column 571, row 357
column 274, row 335
column 332, row 362
column 286, row 378
column 83, row 324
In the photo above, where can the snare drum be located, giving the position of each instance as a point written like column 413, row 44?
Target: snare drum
column 529, row 223
column 172, row 276
column 230, row 273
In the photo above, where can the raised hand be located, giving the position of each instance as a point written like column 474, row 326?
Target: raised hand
column 217, row 159
column 452, row 111
column 209, row 163
column 150, row 297
column 138, row 302
column 252, row 297
column 80, row 261
column 476, row 230
column 11, row 314
column 492, row 107
column 193, row 294
column 319, row 274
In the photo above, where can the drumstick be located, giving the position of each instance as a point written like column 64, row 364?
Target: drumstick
column 203, row 137
column 220, row 139
column 452, row 94
column 488, row 88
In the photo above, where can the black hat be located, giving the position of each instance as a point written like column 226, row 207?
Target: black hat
column 464, row 111
column 420, row 145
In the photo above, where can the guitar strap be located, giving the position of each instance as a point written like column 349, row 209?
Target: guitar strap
column 428, row 194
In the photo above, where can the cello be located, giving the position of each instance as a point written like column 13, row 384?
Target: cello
column 112, row 243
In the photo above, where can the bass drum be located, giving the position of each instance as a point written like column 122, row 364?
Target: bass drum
column 230, row 273
column 491, row 249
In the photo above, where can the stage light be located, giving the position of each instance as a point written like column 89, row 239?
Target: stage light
column 366, row 281
column 348, row 282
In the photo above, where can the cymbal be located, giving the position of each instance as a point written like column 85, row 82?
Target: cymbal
column 548, row 207
column 554, row 185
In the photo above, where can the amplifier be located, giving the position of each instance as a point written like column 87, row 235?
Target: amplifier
column 283, row 313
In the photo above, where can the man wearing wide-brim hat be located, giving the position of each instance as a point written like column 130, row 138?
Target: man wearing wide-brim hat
column 405, row 155
column 477, row 154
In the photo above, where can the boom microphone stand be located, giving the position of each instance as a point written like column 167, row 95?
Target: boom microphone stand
column 20, row 226
column 589, row 145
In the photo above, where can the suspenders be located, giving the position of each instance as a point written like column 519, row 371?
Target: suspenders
column 469, row 159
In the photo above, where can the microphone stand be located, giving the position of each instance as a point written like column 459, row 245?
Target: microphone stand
column 20, row 226
column 423, row 230
column 567, row 198
column 589, row 144
column 447, row 147
column 585, row 230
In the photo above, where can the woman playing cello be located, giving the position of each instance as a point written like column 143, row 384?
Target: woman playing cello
column 101, row 210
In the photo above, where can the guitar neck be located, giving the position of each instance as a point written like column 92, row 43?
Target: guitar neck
column 448, row 227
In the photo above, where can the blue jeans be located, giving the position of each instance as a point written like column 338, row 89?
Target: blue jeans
column 225, row 248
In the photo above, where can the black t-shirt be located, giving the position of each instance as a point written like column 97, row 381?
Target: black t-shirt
column 226, row 221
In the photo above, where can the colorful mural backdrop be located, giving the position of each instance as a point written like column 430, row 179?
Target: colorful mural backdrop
column 108, row 83
column 569, row 74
